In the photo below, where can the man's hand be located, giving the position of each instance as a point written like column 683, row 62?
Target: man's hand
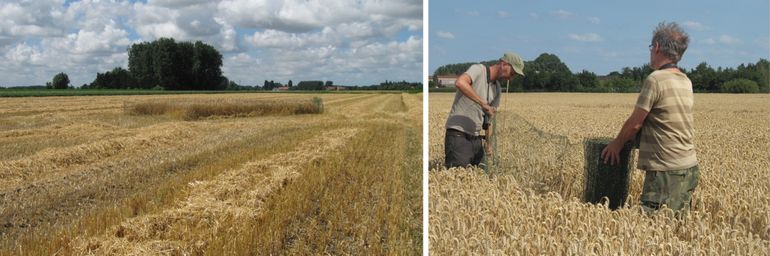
column 488, row 109
column 611, row 153
column 488, row 148
column 633, row 124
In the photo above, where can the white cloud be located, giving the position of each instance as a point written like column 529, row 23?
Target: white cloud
column 109, row 40
column 176, row 3
column 590, row 37
column 342, row 65
column 402, row 9
column 298, row 15
column 764, row 43
column 185, row 21
column 292, row 39
column 561, row 14
column 594, row 20
column 24, row 54
column 710, row 41
column 534, row 15
column 694, row 25
column 503, row 14
column 306, row 40
column 279, row 39
column 729, row 40
column 31, row 19
column 444, row 34
column 464, row 12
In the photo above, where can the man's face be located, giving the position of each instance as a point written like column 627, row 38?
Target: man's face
column 654, row 48
column 506, row 71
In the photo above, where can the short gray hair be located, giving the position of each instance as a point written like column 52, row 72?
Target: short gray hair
column 672, row 39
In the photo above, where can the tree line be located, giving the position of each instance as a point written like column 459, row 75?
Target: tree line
column 166, row 64
column 548, row 73
column 316, row 85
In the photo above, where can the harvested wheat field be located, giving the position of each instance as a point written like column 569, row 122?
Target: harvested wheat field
column 530, row 202
column 220, row 174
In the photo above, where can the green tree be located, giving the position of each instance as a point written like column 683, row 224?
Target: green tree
column 176, row 66
column 207, row 65
column 141, row 64
column 548, row 73
column 740, row 85
column 232, row 85
column 165, row 69
column 118, row 78
column 763, row 68
column 310, row 85
column 60, row 81
column 587, row 79
column 622, row 84
column 703, row 78
column 184, row 60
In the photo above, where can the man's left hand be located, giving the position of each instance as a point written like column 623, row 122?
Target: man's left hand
column 611, row 153
column 488, row 148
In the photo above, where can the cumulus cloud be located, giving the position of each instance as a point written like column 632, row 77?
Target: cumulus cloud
column 302, row 15
column 561, row 14
column 444, row 34
column 764, row 43
column 81, row 39
column 729, row 40
column 348, row 41
column 176, row 3
column 24, row 54
column 22, row 20
column 594, row 20
column 590, row 37
column 694, row 25
column 327, row 39
column 472, row 13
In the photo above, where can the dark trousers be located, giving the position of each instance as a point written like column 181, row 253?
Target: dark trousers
column 462, row 149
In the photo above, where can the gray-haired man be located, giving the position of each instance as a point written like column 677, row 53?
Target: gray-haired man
column 663, row 112
column 478, row 94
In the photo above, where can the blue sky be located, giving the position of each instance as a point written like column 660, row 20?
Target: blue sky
column 599, row 36
column 350, row 42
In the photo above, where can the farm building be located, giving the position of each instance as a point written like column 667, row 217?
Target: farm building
column 446, row 80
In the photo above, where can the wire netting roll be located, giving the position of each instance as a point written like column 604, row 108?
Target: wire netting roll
column 606, row 180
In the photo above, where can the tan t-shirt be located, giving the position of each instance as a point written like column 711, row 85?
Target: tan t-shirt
column 666, row 142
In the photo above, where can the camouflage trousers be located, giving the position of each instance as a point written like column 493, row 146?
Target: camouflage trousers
column 672, row 188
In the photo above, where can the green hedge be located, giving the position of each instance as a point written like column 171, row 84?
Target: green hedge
column 740, row 85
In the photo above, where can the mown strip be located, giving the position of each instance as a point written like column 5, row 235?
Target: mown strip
column 363, row 200
column 161, row 186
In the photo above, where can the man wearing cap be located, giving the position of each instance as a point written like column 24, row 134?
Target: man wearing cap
column 477, row 97
column 664, row 115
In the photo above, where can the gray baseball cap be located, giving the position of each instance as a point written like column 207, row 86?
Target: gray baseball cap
column 515, row 61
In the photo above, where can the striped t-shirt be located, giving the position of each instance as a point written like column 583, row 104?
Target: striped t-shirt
column 666, row 142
